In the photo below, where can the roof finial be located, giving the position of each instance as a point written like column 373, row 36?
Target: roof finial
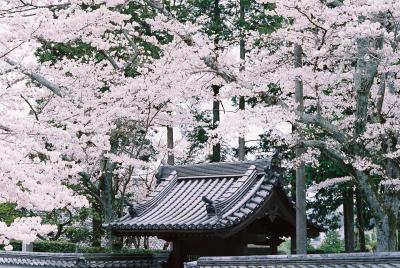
column 131, row 209
column 210, row 207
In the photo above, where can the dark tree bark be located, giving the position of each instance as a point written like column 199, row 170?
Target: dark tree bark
column 301, row 218
column 108, row 198
column 216, row 150
column 170, row 145
column 242, row 142
column 360, row 222
column 348, row 219
column 96, row 225
column 398, row 237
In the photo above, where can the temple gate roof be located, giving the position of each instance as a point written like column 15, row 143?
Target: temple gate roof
column 211, row 197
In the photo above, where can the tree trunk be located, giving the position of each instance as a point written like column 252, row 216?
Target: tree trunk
column 386, row 234
column 301, row 217
column 146, row 242
column 107, row 196
column 360, row 222
column 398, row 237
column 366, row 72
column 216, row 150
column 96, row 225
column 387, row 228
column 170, row 146
column 348, row 218
column 242, row 143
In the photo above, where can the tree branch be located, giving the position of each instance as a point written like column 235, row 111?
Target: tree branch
column 31, row 107
column 12, row 49
column 136, row 51
column 335, row 155
column 38, row 78
column 111, row 60
column 360, row 176
column 160, row 7
column 4, row 128
column 91, row 188
column 381, row 97
column 330, row 128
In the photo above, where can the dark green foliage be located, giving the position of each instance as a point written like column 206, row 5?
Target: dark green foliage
column 17, row 245
column 9, row 212
column 327, row 200
column 77, row 234
column 194, row 9
column 229, row 24
column 80, row 51
column 332, row 243
column 198, row 135
column 54, row 52
column 130, row 134
column 54, row 246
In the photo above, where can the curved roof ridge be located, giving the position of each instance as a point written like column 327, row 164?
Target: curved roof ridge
column 213, row 168
column 245, row 181
column 158, row 194
column 223, row 163
column 245, row 198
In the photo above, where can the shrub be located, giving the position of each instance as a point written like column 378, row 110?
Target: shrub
column 332, row 243
column 54, row 246
column 76, row 235
column 68, row 247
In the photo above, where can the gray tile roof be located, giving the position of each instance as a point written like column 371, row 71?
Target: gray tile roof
column 69, row 260
column 349, row 260
column 212, row 169
column 235, row 189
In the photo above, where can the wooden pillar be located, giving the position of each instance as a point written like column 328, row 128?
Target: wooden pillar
column 241, row 244
column 293, row 244
column 274, row 243
column 176, row 257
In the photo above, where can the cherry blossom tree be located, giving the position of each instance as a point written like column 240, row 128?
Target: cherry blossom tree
column 349, row 73
column 86, row 85
column 81, row 72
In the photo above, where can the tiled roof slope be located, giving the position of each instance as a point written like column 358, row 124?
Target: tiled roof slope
column 211, row 169
column 72, row 260
column 349, row 260
column 236, row 191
